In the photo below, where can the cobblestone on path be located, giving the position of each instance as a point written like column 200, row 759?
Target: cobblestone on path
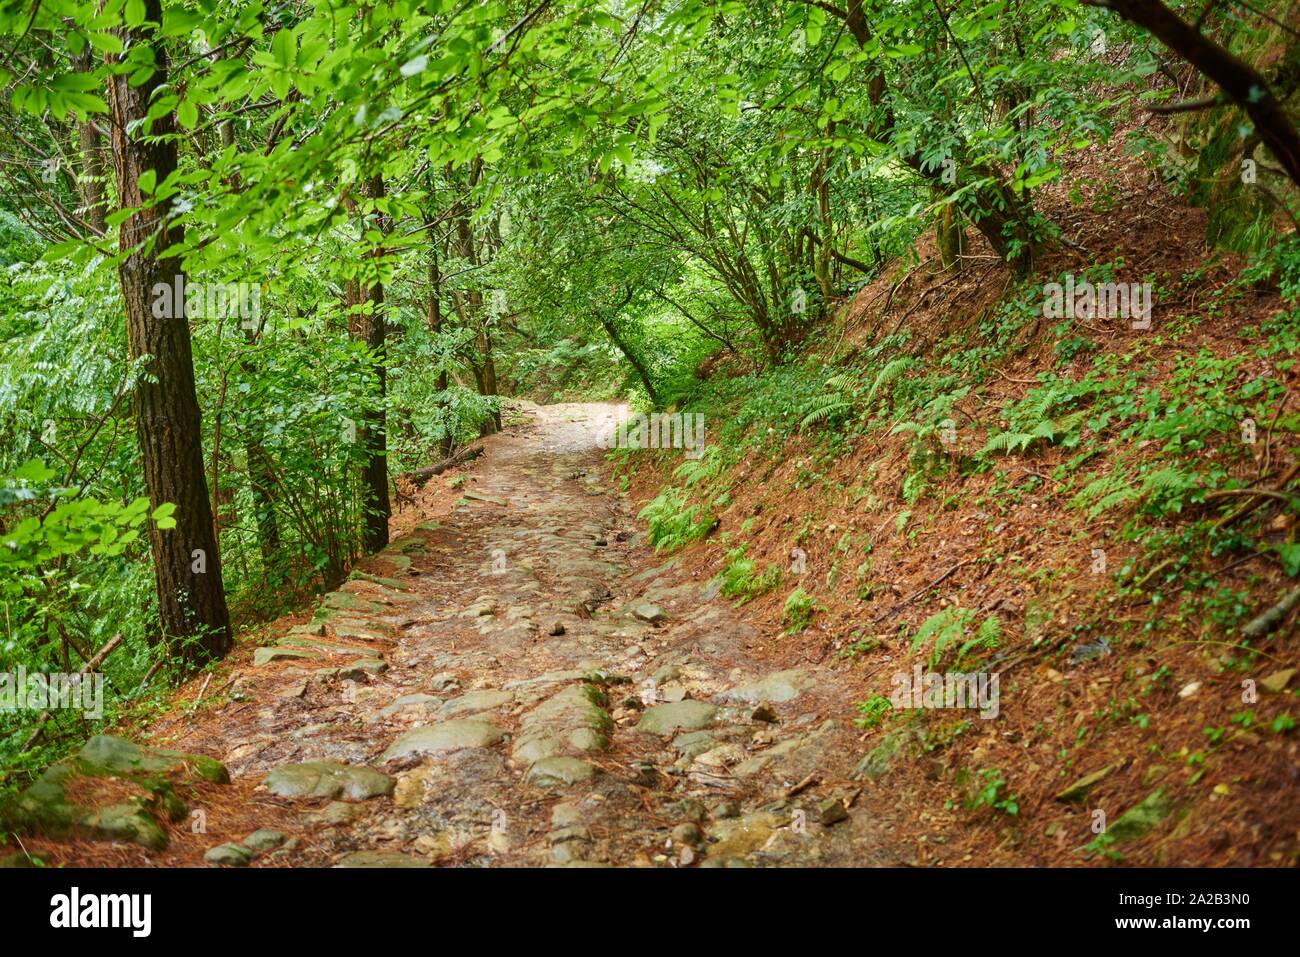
column 523, row 682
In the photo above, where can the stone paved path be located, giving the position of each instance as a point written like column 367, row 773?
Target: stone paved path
column 534, row 686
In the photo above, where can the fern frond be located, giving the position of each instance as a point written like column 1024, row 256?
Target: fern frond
column 892, row 370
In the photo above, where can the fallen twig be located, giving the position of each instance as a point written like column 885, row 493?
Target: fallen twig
column 89, row 666
column 201, row 691
column 803, row 785
column 1258, row 499
column 1261, row 625
column 420, row 476
column 938, row 581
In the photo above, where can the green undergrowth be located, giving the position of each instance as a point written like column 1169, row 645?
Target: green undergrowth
column 1156, row 446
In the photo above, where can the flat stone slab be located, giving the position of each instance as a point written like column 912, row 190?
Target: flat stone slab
column 445, row 736
column 677, row 716
column 351, row 601
column 125, row 822
column 484, row 700
column 694, row 743
column 550, row 677
column 391, row 583
column 778, row 687
column 410, row 701
column 264, row 656
column 648, row 612
column 320, row 644
column 362, row 667
column 380, row 859
column 571, row 720
column 47, row 808
column 359, row 630
column 480, row 497
column 335, row 813
column 327, row 779
column 744, row 835
column 560, row 771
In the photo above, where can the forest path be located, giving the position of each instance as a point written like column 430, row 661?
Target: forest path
column 537, row 687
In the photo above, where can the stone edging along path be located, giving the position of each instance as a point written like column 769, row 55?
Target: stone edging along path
column 519, row 682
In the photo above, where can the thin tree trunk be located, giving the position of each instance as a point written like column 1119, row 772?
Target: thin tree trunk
column 950, row 237
column 91, row 181
column 187, row 565
column 628, row 353
column 1000, row 216
column 490, row 373
column 1242, row 83
column 435, row 327
column 261, row 471
column 367, row 325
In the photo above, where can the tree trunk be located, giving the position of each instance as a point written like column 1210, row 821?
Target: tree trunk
column 91, row 182
column 490, row 373
column 1000, row 216
column 435, row 327
column 485, row 375
column 631, row 356
column 258, row 462
column 187, row 565
column 950, row 237
column 367, row 325
column 1242, row 83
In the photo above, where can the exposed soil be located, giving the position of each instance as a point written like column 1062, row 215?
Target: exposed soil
column 1007, row 543
column 548, row 765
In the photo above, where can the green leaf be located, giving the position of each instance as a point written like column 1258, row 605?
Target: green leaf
column 284, row 48
column 1289, row 553
column 414, row 65
column 34, row 470
column 187, row 114
column 162, row 515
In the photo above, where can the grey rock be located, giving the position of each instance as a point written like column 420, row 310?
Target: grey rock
column 410, row 701
column 561, row 770
column 574, row 832
column 647, row 612
column 327, row 779
column 125, row 822
column 105, row 754
column 484, row 700
column 567, row 814
column 571, row 720
column 677, row 715
column 778, row 687
column 228, row 855
column 688, row 833
column 1139, row 819
column 380, row 859
column 444, row 681
column 690, row 809
column 264, row 839
column 445, row 736
column 831, row 811
column 362, row 667
column 725, row 811
column 336, row 813
column 264, row 656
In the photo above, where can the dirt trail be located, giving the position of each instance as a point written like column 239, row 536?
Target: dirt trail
column 537, row 687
